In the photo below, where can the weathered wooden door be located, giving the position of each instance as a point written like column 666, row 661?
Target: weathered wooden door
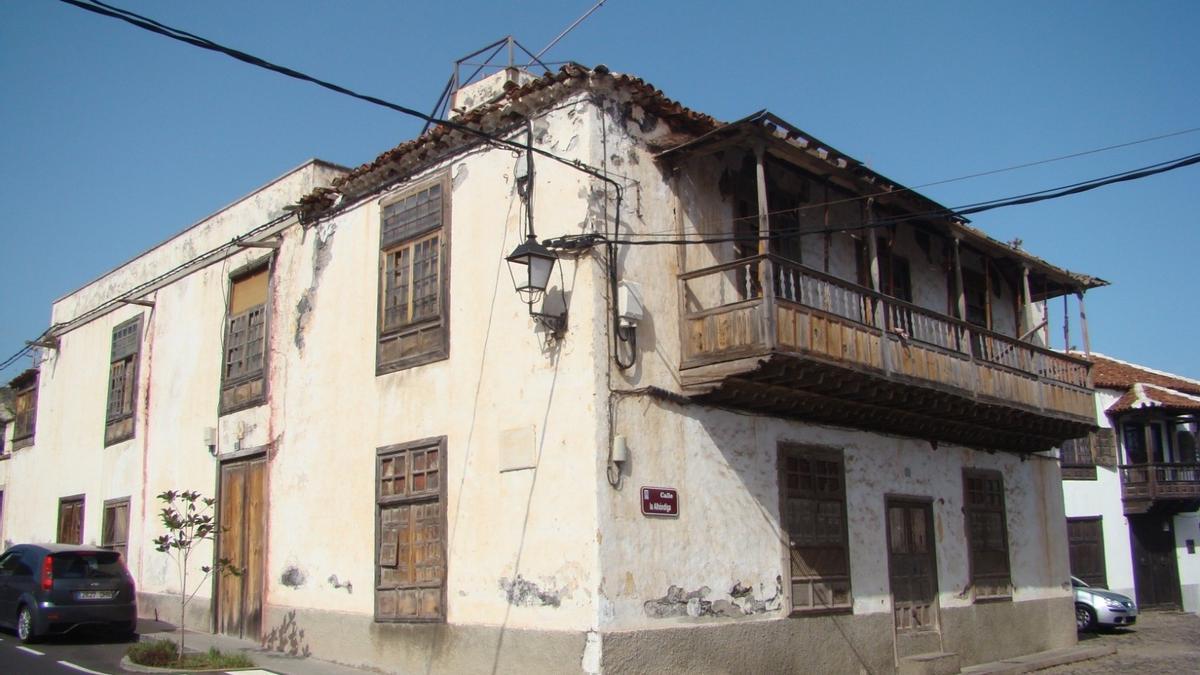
column 243, row 540
column 1085, row 538
column 1155, row 572
column 912, row 566
column 70, row 520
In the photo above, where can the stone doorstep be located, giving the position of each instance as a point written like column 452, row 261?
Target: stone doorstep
column 934, row 663
column 1041, row 660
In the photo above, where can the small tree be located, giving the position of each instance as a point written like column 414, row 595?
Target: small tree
column 189, row 520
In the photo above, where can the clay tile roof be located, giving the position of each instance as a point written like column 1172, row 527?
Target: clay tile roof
column 1110, row 373
column 504, row 113
column 1142, row 395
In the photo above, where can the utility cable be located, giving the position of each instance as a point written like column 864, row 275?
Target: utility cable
column 976, row 207
column 146, row 23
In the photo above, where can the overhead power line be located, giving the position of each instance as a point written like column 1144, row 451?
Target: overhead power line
column 146, row 23
column 976, row 207
column 153, row 26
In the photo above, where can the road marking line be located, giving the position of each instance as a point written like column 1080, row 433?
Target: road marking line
column 32, row 651
column 251, row 672
column 80, row 668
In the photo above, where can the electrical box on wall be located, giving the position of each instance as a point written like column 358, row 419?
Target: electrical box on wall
column 629, row 304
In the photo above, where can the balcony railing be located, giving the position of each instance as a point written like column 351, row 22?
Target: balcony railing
column 1150, row 482
column 729, row 313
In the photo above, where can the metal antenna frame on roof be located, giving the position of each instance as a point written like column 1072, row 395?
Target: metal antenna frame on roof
column 457, row 81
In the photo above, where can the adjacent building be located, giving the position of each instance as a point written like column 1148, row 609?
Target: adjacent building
column 1132, row 488
column 587, row 381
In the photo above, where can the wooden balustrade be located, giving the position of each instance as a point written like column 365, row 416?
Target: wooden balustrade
column 729, row 314
column 1149, row 482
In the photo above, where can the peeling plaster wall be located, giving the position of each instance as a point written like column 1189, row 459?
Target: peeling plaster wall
column 728, row 531
column 521, row 545
column 722, row 562
column 179, row 371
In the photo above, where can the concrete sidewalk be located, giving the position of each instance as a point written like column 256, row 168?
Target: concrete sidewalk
column 268, row 661
column 1041, row 660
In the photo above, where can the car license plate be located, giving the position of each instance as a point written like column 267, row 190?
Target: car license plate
column 94, row 595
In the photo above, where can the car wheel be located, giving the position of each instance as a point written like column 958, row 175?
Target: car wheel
column 25, row 625
column 1085, row 618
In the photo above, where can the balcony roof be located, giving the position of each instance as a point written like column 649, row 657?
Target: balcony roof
column 791, row 143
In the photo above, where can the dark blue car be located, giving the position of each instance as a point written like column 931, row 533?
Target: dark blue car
column 48, row 589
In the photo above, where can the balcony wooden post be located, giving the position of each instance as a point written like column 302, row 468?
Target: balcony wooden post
column 961, row 300
column 765, row 268
column 878, row 305
column 1083, row 328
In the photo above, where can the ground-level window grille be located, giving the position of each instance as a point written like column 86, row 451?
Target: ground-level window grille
column 987, row 533
column 410, row 532
column 814, row 509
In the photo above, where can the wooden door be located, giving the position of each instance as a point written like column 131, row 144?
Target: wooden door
column 912, row 565
column 243, row 540
column 70, row 520
column 1155, row 573
column 1085, row 539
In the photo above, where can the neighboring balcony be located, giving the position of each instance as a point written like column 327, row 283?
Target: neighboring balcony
column 811, row 346
column 1175, row 486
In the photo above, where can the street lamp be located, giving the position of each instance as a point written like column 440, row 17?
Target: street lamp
column 530, row 264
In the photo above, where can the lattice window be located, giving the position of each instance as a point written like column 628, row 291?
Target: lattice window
column 814, row 511
column 242, row 373
column 25, row 392
column 411, row 562
column 122, row 380
column 987, row 533
column 412, row 310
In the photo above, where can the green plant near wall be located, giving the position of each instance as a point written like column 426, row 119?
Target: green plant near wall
column 189, row 520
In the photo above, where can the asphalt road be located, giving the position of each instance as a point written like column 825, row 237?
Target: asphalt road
column 93, row 652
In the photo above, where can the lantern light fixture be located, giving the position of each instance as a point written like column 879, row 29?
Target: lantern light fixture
column 530, row 264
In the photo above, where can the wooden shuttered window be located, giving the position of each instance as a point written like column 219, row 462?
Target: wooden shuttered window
column 115, row 529
column 1085, row 539
column 122, row 381
column 242, row 381
column 70, row 520
column 1104, row 446
column 1081, row 456
column 410, row 572
column 413, row 321
column 987, row 533
column 813, row 488
column 24, row 409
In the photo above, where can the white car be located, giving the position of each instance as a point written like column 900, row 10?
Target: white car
column 1099, row 607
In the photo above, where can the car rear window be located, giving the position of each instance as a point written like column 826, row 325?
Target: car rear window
column 89, row 565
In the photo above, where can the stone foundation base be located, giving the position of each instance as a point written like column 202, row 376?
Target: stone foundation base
column 356, row 640
column 980, row 633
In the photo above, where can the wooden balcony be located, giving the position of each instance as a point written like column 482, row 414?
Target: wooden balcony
column 1170, row 486
column 811, row 346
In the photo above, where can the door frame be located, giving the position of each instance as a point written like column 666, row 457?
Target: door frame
column 223, row 461
column 1144, row 522
column 927, row 503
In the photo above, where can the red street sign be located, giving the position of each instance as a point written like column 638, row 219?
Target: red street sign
column 657, row 501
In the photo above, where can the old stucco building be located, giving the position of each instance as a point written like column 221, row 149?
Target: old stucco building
column 774, row 412
column 1132, row 488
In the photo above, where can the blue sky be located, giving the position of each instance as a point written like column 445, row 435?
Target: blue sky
column 112, row 139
